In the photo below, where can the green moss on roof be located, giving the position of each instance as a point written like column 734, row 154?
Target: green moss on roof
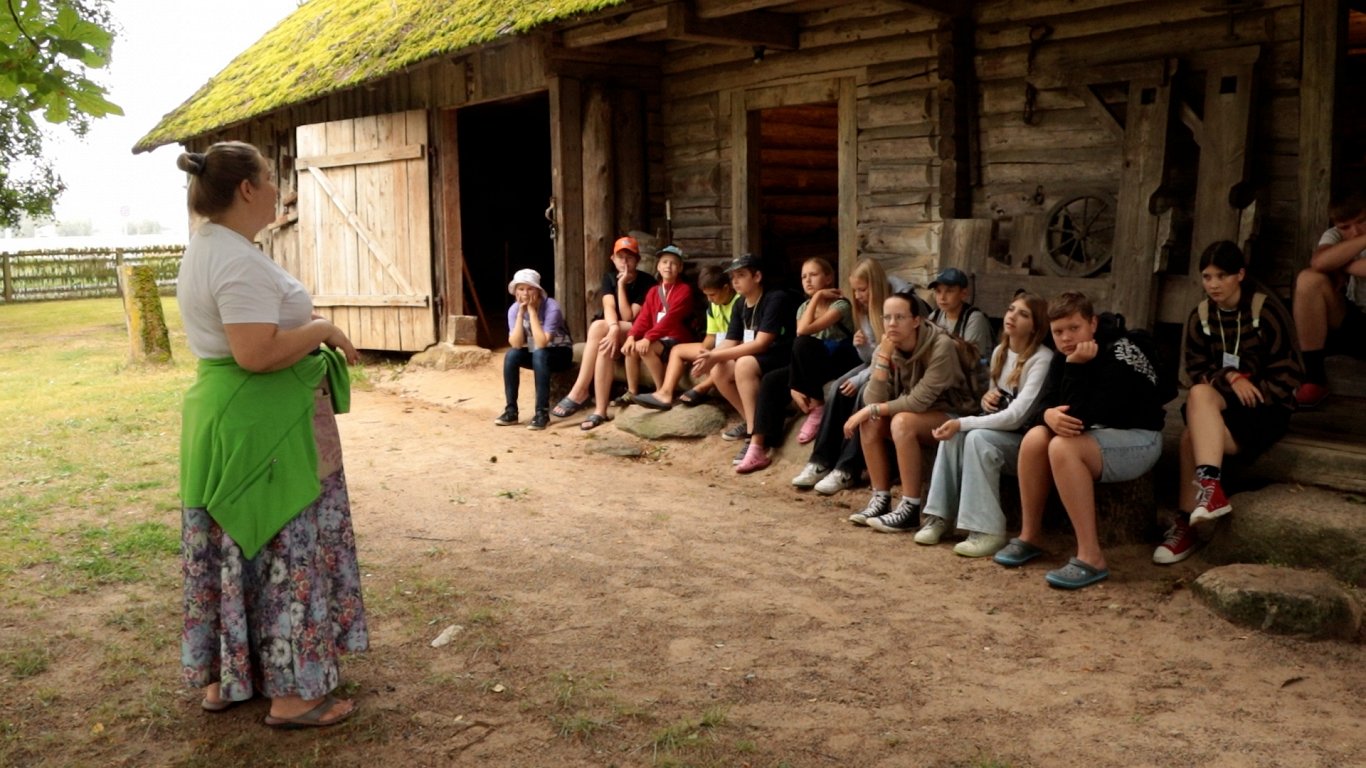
column 332, row 45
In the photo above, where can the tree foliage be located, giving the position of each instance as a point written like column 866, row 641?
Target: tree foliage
column 48, row 51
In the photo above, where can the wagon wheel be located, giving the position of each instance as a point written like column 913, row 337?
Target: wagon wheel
column 1081, row 231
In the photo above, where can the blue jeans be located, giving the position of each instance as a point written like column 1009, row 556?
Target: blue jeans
column 966, row 482
column 542, row 362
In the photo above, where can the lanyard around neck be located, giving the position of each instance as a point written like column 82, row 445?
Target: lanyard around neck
column 1238, row 340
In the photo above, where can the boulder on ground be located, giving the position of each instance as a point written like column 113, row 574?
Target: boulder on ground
column 445, row 357
column 1280, row 600
column 698, row 421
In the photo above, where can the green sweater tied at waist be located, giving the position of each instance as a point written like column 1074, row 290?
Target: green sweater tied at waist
column 247, row 451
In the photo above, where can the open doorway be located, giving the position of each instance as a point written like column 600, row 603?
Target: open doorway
column 798, row 188
column 504, row 190
column 1349, row 120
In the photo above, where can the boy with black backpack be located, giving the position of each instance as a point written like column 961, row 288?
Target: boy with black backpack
column 1103, row 422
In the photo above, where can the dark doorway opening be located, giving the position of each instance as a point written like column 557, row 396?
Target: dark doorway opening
column 798, row 190
column 504, row 191
column 1349, row 120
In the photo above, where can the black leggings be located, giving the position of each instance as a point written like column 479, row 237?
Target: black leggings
column 813, row 364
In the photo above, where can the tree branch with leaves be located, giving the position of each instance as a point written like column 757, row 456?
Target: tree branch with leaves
column 48, row 50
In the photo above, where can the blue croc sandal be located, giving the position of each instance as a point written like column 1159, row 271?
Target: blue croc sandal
column 1075, row 575
column 1017, row 553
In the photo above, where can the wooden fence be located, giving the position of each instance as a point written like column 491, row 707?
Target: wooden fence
column 82, row 272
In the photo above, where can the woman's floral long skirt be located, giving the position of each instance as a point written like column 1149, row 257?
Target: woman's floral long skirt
column 277, row 624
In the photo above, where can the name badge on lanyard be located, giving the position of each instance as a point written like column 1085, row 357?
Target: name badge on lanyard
column 749, row 335
column 1231, row 361
column 659, row 316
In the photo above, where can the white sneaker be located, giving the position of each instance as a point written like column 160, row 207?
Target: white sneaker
column 932, row 531
column 834, row 482
column 979, row 545
column 811, row 474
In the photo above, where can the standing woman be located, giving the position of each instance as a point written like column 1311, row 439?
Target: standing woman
column 1241, row 360
column 272, row 587
column 965, row 485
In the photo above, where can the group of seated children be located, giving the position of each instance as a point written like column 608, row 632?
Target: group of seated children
column 878, row 378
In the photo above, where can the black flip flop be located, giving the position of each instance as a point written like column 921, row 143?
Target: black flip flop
column 566, row 408
column 650, row 401
column 313, row 718
column 693, row 397
column 593, row 422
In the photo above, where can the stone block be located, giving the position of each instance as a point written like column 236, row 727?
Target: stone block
column 461, row 330
column 698, row 421
column 1280, row 601
column 445, row 357
column 1295, row 526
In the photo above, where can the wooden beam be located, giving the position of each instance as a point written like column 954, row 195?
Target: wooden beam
column 945, row 8
column 566, row 173
column 1104, row 116
column 773, row 30
column 623, row 27
column 712, row 9
column 1324, row 38
column 847, row 150
column 1136, row 248
column 599, row 189
column 384, row 155
column 452, row 251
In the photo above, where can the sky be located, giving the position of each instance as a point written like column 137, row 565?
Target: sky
column 165, row 50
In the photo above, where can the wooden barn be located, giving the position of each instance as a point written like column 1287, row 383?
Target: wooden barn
column 426, row 149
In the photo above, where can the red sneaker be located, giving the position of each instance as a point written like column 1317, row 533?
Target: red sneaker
column 1310, row 395
column 1210, row 502
column 1181, row 543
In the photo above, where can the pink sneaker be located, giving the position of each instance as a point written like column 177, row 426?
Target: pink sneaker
column 811, row 426
column 756, row 458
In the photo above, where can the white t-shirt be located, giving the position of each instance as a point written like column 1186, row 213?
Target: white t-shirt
column 224, row 279
column 1355, row 293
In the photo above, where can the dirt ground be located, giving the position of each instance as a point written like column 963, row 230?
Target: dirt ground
column 663, row 610
column 659, row 610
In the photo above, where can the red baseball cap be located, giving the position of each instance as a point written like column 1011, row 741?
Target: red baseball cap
column 627, row 244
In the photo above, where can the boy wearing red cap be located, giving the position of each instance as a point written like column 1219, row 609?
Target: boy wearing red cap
column 624, row 290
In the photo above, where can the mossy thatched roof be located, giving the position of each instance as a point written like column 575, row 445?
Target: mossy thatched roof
column 332, row 45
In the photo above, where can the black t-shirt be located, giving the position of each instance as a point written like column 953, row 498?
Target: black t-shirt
column 636, row 291
column 773, row 314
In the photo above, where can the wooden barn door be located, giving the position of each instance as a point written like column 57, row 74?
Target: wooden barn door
column 365, row 228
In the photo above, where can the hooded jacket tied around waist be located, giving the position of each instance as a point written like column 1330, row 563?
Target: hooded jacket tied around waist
column 247, row 451
column 929, row 378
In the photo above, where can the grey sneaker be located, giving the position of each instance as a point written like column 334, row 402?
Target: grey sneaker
column 932, row 531
column 811, row 474
column 879, row 505
column 737, row 432
column 739, row 457
column 834, row 482
column 903, row 519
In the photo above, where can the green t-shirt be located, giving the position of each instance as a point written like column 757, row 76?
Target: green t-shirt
column 718, row 316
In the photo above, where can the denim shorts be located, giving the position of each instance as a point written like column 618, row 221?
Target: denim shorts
column 1126, row 453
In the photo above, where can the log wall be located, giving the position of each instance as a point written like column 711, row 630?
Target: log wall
column 887, row 49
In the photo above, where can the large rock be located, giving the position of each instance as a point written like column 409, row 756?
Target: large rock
column 698, row 421
column 1296, row 526
column 445, row 357
column 1281, row 601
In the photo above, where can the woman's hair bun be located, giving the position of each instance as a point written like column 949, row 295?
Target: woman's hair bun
column 191, row 163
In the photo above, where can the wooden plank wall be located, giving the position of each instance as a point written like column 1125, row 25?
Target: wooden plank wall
column 887, row 48
column 1069, row 145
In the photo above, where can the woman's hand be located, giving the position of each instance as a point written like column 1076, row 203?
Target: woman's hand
column 1061, row 423
column 642, row 347
column 849, row 388
column 861, row 415
column 948, row 429
column 860, row 338
column 827, row 295
column 338, row 341
column 1248, row 394
column 990, row 400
